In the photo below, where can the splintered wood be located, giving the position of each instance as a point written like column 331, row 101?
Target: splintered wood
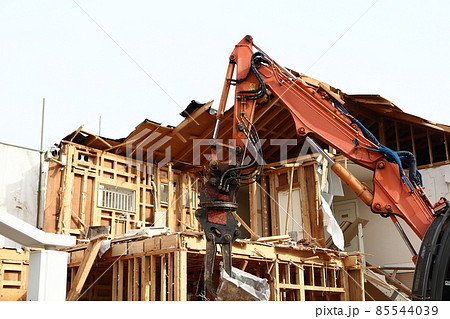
column 170, row 268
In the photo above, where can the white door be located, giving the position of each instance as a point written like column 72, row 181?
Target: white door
column 346, row 211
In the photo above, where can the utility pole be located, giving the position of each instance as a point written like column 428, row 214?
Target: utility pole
column 41, row 165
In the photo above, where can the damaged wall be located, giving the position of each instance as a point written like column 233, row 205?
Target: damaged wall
column 19, row 179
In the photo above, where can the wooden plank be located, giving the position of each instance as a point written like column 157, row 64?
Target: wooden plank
column 356, row 285
column 273, row 205
column 85, row 267
column 253, row 235
column 182, row 275
column 170, row 279
column 430, row 147
column 191, row 208
column 130, row 285
column 253, row 207
column 392, row 281
column 184, row 188
column 275, row 282
column 120, row 279
column 171, row 218
column 158, row 187
column 152, row 266
column 352, row 230
column 84, row 197
column 152, row 244
column 136, row 247
column 273, row 238
column 170, row 242
column 306, row 222
column 316, row 215
column 119, row 249
column 66, row 211
column 412, row 140
column 264, row 206
column 447, row 156
column 289, row 203
column 163, row 289
column 115, row 276
column 136, row 283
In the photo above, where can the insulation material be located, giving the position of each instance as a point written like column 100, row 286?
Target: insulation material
column 242, row 286
column 19, row 180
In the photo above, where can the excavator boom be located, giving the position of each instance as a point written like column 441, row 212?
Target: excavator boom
column 317, row 112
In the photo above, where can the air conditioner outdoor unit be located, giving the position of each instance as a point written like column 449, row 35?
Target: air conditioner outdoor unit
column 160, row 219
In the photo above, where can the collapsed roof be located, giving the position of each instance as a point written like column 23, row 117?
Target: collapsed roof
column 151, row 140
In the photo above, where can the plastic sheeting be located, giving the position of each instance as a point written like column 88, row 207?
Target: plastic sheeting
column 19, row 180
column 332, row 186
column 242, row 286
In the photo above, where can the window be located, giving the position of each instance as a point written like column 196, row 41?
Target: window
column 116, row 198
column 193, row 198
column 164, row 193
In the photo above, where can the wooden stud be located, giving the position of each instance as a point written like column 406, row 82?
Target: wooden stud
column 274, row 204
column 264, row 206
column 184, row 188
column 181, row 278
column 170, row 281
column 121, row 278
column 356, row 284
column 115, row 276
column 96, row 212
column 171, row 218
column 86, row 265
column 430, row 147
column 66, row 212
column 397, row 140
column 447, row 156
column 152, row 267
column 158, row 187
column 306, row 222
column 253, row 207
column 289, row 203
column 275, row 295
column 412, row 140
column 130, row 284
column 163, row 289
column 83, row 201
column 136, row 284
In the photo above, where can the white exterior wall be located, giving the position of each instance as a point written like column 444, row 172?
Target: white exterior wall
column 19, row 176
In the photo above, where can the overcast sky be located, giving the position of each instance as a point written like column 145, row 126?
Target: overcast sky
column 127, row 61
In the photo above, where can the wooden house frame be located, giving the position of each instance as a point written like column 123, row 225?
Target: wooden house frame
column 133, row 183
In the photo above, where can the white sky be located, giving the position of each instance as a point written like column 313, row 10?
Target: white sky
column 154, row 57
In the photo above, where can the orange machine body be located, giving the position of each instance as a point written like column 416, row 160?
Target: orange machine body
column 314, row 113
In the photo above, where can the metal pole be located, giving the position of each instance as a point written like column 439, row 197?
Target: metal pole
column 100, row 125
column 403, row 234
column 41, row 165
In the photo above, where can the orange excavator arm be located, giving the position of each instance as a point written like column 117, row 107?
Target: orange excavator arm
column 317, row 113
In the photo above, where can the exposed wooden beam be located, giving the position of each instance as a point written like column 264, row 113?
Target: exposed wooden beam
column 83, row 271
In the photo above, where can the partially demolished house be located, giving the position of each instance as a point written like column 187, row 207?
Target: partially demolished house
column 131, row 203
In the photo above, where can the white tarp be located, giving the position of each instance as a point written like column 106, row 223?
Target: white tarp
column 19, row 176
column 331, row 186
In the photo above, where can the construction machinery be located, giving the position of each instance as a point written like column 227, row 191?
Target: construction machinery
column 318, row 113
